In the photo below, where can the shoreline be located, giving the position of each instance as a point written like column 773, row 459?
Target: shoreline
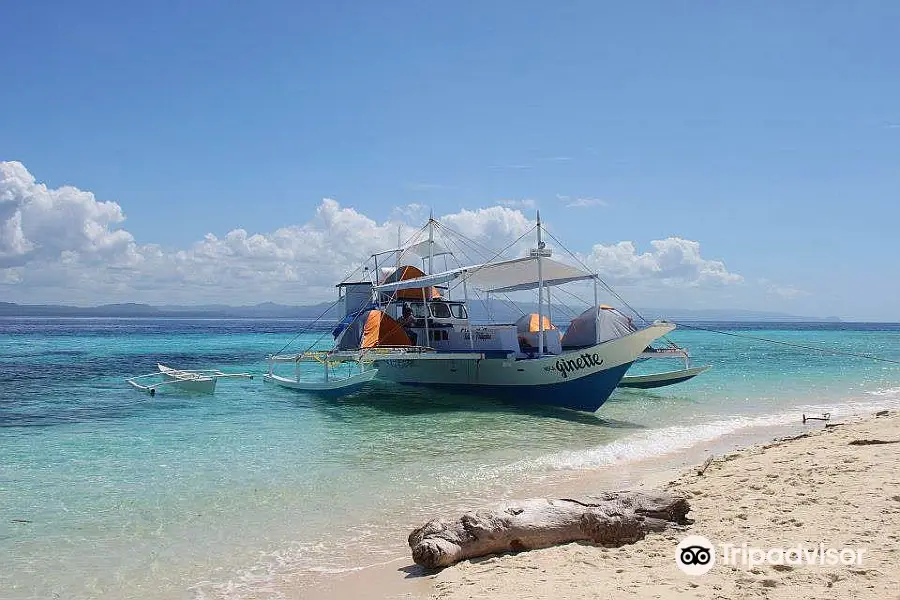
column 763, row 452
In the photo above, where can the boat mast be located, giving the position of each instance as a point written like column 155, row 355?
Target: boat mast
column 596, row 314
column 431, row 243
column 425, row 290
column 539, row 252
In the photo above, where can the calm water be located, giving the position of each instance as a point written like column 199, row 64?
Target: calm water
column 107, row 492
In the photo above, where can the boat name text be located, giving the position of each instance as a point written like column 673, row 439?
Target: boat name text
column 585, row 361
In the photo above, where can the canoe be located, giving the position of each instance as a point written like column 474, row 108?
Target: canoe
column 656, row 380
column 197, row 381
column 341, row 385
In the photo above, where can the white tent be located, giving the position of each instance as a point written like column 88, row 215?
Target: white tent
column 598, row 324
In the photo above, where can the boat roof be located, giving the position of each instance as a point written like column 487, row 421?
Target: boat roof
column 504, row 276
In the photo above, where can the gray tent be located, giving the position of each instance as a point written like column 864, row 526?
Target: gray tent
column 610, row 323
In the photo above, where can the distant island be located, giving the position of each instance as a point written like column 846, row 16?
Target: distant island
column 271, row 310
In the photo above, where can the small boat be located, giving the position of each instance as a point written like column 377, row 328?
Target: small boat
column 201, row 381
column 331, row 382
column 657, row 380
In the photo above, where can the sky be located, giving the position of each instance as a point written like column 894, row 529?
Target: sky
column 737, row 155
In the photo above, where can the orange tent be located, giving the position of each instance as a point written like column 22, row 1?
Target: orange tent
column 379, row 329
column 531, row 323
column 410, row 272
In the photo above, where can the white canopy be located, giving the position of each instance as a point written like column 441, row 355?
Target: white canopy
column 419, row 249
column 505, row 276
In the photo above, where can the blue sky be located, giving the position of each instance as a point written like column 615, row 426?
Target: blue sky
column 769, row 133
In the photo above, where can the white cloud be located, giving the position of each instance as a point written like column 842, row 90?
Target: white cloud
column 40, row 223
column 581, row 202
column 674, row 261
column 64, row 245
column 523, row 203
column 495, row 227
column 788, row 292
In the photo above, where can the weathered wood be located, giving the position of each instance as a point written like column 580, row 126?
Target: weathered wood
column 611, row 519
column 873, row 442
column 702, row 469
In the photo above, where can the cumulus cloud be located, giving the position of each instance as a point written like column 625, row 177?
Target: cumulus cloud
column 673, row 260
column 494, row 227
column 39, row 223
column 65, row 245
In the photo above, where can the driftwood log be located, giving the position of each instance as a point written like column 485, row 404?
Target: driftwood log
column 611, row 519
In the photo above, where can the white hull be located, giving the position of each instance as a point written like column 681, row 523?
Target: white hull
column 655, row 380
column 200, row 382
column 580, row 379
column 343, row 385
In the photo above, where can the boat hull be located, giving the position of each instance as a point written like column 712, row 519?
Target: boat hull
column 580, row 379
column 657, row 380
column 336, row 387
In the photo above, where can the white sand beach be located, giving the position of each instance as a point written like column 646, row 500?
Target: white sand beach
column 813, row 491
column 817, row 489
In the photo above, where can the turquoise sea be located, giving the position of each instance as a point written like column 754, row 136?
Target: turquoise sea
column 106, row 492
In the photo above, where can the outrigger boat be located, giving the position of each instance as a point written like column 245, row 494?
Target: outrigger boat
column 411, row 326
column 198, row 381
column 657, row 380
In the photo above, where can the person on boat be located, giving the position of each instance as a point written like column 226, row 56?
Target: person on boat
column 406, row 322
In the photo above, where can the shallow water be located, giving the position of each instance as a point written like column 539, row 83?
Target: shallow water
column 107, row 492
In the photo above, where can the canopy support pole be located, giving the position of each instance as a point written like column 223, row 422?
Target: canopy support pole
column 431, row 243
column 549, row 307
column 427, row 314
column 540, row 249
column 468, row 319
column 596, row 315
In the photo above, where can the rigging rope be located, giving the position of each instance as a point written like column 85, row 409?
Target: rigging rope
column 468, row 274
column 336, row 302
column 302, row 331
column 608, row 288
column 791, row 344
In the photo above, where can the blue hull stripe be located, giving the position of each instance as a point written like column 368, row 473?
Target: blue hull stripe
column 585, row 393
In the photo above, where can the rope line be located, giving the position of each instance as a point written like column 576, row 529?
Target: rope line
column 790, row 344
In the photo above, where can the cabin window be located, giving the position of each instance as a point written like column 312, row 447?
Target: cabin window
column 458, row 311
column 440, row 311
column 418, row 310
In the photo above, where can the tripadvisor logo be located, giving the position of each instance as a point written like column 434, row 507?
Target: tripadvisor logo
column 695, row 555
column 585, row 361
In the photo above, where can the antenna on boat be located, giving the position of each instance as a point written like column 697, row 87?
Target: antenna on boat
column 430, row 241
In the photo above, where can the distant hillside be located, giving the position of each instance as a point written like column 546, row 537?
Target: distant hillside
column 266, row 310
column 270, row 310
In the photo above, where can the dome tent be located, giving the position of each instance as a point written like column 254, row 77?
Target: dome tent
column 528, row 329
column 603, row 319
column 373, row 328
column 410, row 272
